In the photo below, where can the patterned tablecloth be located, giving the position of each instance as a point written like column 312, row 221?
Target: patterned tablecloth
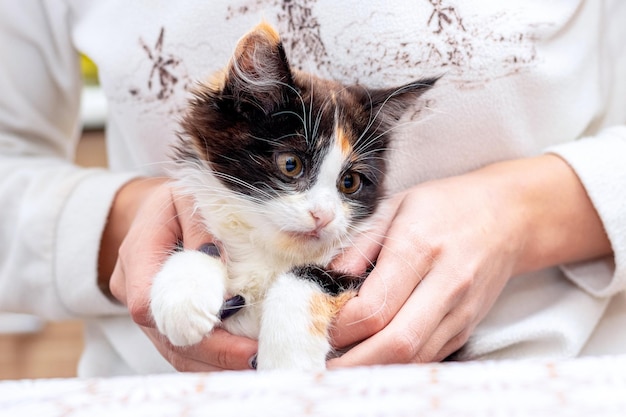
column 581, row 387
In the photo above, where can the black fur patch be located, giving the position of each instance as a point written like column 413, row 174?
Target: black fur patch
column 331, row 282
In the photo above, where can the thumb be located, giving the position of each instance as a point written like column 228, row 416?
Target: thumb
column 193, row 231
column 362, row 255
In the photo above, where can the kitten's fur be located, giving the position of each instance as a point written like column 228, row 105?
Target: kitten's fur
column 285, row 169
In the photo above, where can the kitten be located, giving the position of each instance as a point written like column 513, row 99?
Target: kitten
column 285, row 169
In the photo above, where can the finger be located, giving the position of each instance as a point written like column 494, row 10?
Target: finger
column 167, row 219
column 402, row 340
column 399, row 270
column 148, row 242
column 219, row 351
column 361, row 256
column 176, row 356
column 117, row 283
column 223, row 350
column 194, row 233
column 451, row 334
column 133, row 272
column 452, row 346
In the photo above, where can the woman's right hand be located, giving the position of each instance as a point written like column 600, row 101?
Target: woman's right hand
column 448, row 247
column 146, row 222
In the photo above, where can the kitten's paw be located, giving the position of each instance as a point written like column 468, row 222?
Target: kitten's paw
column 294, row 326
column 187, row 295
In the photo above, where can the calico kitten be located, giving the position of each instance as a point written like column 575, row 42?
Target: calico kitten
column 285, row 169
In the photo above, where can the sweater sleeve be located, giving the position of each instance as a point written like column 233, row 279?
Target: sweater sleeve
column 599, row 163
column 53, row 212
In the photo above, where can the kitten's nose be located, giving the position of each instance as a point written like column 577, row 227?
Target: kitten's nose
column 322, row 217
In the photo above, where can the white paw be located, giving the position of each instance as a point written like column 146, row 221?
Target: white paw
column 187, row 295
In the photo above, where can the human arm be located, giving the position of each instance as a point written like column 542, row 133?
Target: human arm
column 450, row 247
column 53, row 211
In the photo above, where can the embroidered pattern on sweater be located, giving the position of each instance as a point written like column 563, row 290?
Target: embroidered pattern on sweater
column 470, row 49
column 162, row 72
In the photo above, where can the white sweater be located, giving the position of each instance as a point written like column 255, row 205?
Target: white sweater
column 520, row 78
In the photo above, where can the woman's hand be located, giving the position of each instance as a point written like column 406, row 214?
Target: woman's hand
column 145, row 224
column 450, row 246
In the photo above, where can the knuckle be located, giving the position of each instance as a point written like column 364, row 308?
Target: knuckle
column 222, row 359
column 467, row 315
column 453, row 345
column 177, row 361
column 116, row 282
column 428, row 353
column 140, row 312
column 404, row 346
column 417, row 243
column 375, row 317
column 460, row 339
column 116, row 291
column 422, row 357
column 179, row 356
column 463, row 283
column 469, row 276
column 470, row 316
column 225, row 353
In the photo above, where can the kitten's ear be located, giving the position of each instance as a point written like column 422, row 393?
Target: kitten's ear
column 391, row 104
column 258, row 76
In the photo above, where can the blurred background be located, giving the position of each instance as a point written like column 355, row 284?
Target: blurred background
column 30, row 347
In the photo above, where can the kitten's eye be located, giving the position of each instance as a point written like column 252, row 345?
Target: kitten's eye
column 350, row 183
column 289, row 164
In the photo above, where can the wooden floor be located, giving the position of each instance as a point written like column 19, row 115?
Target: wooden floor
column 55, row 350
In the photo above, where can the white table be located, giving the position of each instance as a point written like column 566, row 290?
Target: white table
column 582, row 387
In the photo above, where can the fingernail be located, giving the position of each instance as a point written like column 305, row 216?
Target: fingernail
column 210, row 249
column 231, row 306
column 252, row 362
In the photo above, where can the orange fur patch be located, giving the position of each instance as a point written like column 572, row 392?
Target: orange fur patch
column 343, row 139
column 215, row 82
column 324, row 308
column 269, row 32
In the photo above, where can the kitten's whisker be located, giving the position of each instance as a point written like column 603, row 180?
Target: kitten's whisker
column 374, row 117
column 164, row 163
column 310, row 114
column 371, row 262
column 287, row 112
column 368, row 235
column 224, row 200
column 237, row 181
column 303, row 117
column 271, row 142
column 318, row 118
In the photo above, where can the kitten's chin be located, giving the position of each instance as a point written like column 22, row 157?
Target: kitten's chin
column 304, row 237
column 306, row 247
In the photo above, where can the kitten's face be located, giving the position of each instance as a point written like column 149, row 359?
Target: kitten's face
column 303, row 156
